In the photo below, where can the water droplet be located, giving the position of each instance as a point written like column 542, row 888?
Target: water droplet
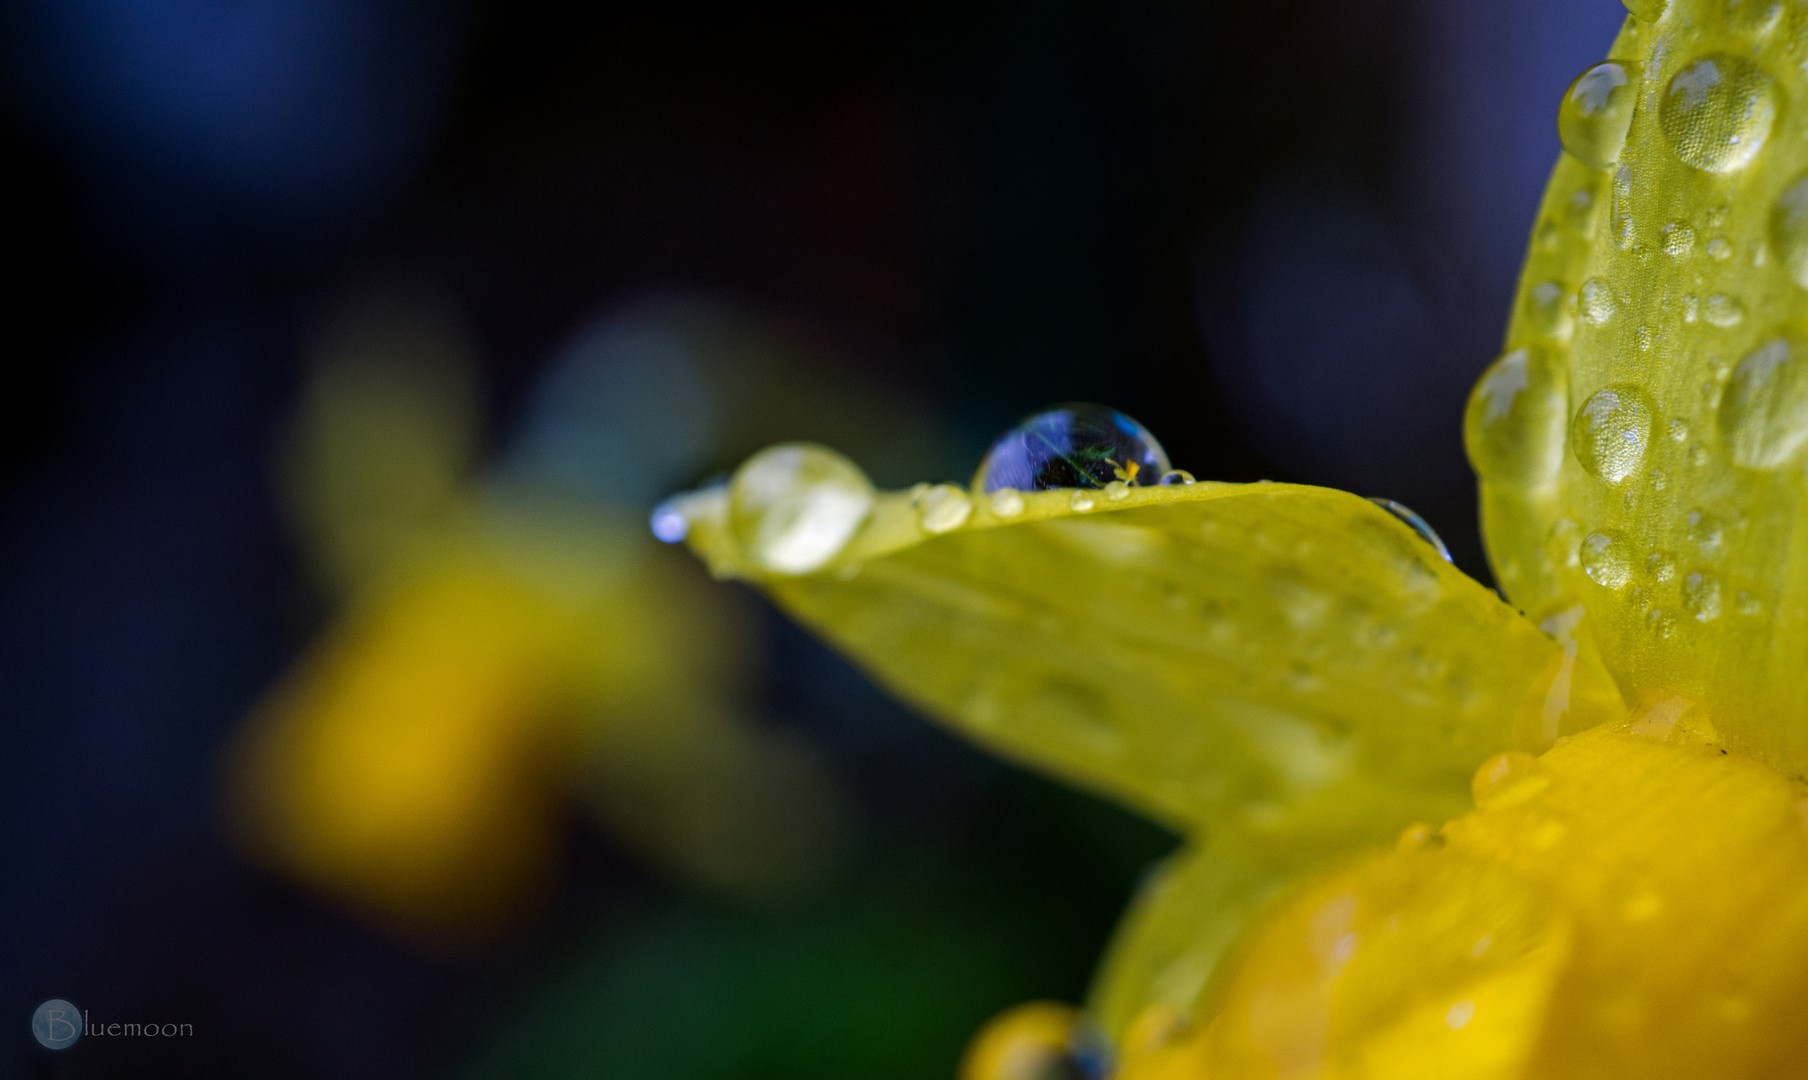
column 1722, row 310
column 1547, row 309
column 1660, row 566
column 1611, row 431
column 1647, row 10
column 1764, row 410
column 1072, row 446
column 669, row 523
column 1007, row 502
column 1679, row 431
column 1703, row 530
column 1607, row 559
column 1117, row 491
column 1718, row 111
column 1789, row 229
column 1177, row 476
column 1642, row 338
column 1506, row 779
column 793, row 507
column 1757, row 17
column 1679, row 239
column 1749, row 604
column 1661, row 624
column 1595, row 301
column 1597, row 112
column 1719, row 250
column 1701, row 596
column 1691, row 309
column 1080, row 501
column 1513, row 427
column 1416, row 523
column 943, row 508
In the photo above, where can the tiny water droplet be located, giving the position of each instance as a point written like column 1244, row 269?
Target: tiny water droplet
column 1719, row 250
column 1611, row 431
column 943, row 508
column 1007, row 502
column 1691, row 309
column 1722, row 310
column 1596, row 112
column 1718, row 111
column 793, row 507
column 669, row 523
column 1679, row 431
column 1749, row 604
column 1117, row 491
column 1660, row 566
column 1080, row 501
column 1547, row 309
column 1764, row 410
column 1701, row 596
column 1642, row 338
column 1661, row 624
column 1071, row 446
column 1513, row 427
column 1679, row 239
column 1789, row 229
column 1595, row 301
column 1647, row 10
column 1177, row 477
column 1703, row 530
column 1607, row 559
column 1416, row 523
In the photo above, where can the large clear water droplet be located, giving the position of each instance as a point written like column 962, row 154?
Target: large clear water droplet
column 1611, row 431
column 793, row 507
column 1597, row 112
column 1607, row 559
column 1514, row 425
column 1717, row 112
column 1416, row 523
column 1789, row 229
column 1072, row 446
column 1764, row 409
column 1647, row 10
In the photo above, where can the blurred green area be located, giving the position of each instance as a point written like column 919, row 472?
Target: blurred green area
column 888, row 976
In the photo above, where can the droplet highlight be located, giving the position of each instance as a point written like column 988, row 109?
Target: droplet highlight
column 1607, row 559
column 1789, row 229
column 1597, row 112
column 1611, row 432
column 943, row 508
column 1416, row 523
column 1513, row 427
column 1717, row 112
column 793, row 507
column 1701, row 596
column 1072, row 446
column 669, row 524
column 1763, row 413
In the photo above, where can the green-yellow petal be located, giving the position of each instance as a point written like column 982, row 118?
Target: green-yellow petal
column 1643, row 440
column 1268, row 658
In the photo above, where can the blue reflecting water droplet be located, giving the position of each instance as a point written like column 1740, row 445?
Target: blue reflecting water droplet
column 669, row 523
column 1072, row 446
column 1416, row 524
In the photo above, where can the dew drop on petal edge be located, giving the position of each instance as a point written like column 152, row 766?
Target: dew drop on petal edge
column 793, row 507
column 1596, row 112
column 669, row 523
column 1416, row 523
column 1764, row 409
column 1072, row 446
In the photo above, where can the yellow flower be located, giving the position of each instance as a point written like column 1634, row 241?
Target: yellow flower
column 1431, row 833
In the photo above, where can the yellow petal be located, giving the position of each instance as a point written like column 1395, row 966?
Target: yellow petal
column 1634, row 903
column 1643, row 441
column 1278, row 660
